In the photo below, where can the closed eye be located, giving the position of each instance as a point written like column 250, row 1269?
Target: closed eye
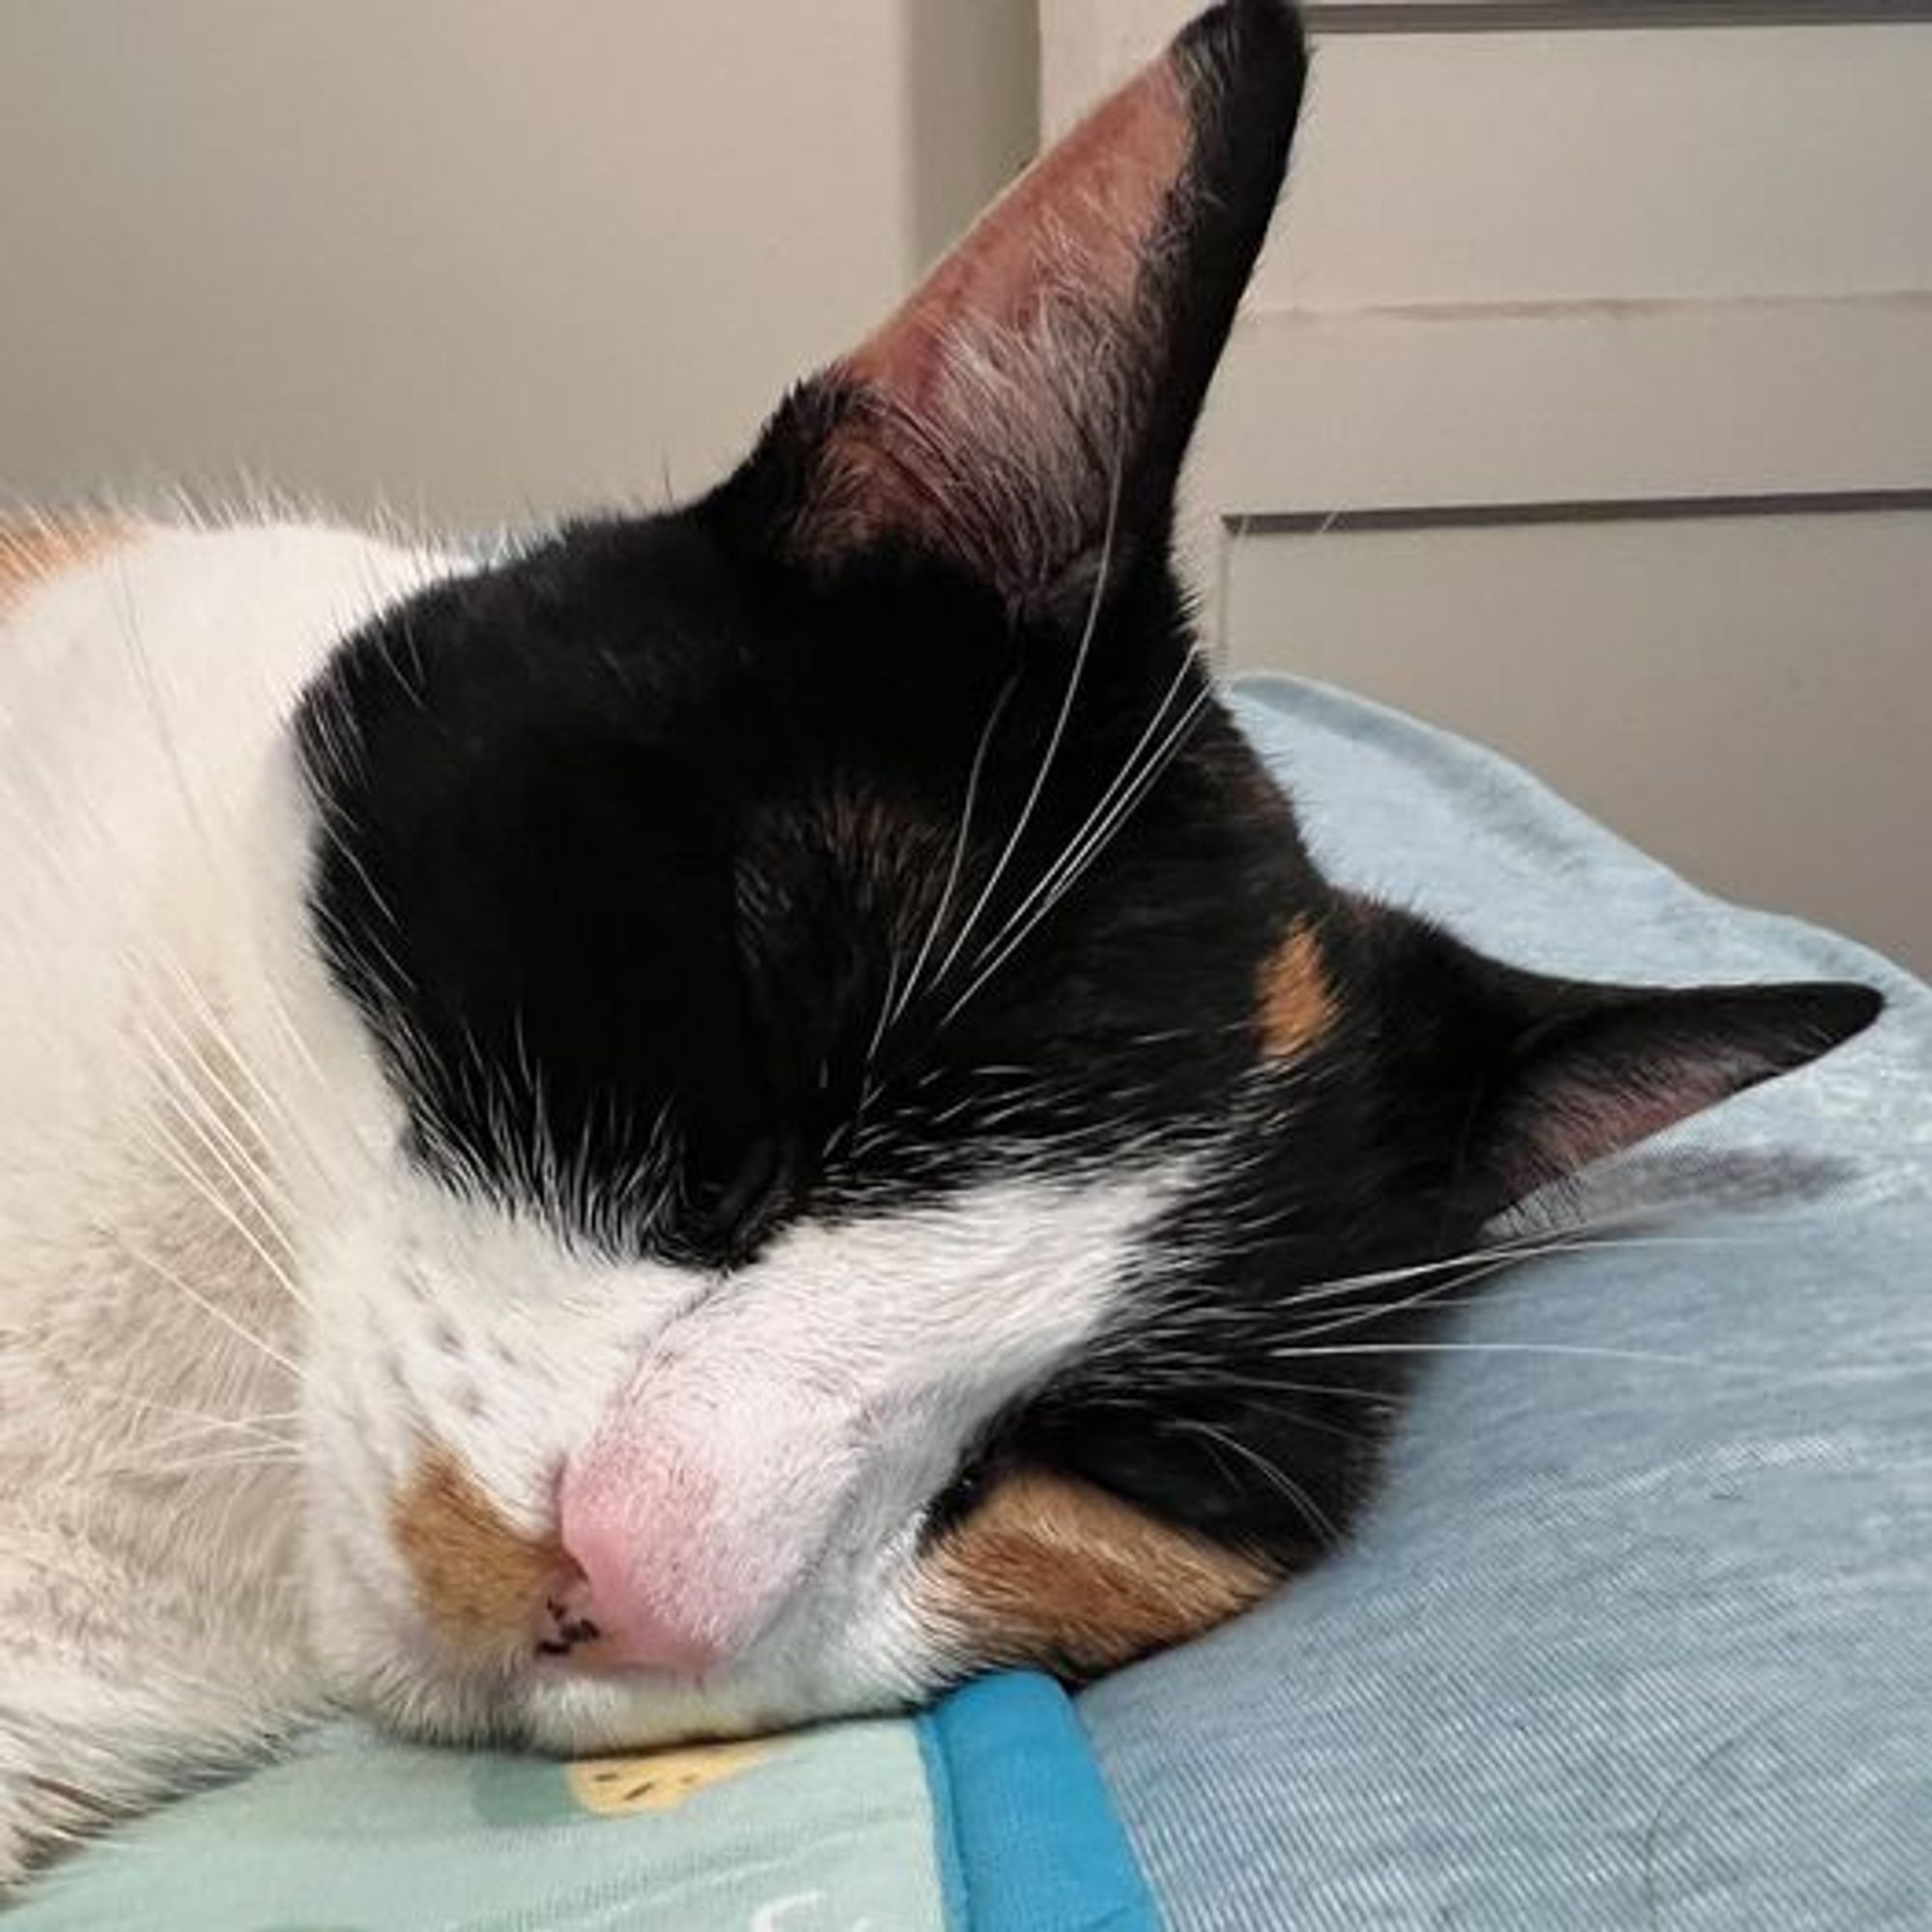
column 976, row 1477
column 726, row 1222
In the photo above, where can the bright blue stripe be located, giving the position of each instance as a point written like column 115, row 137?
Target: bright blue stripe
column 945, row 1837
column 1028, row 1840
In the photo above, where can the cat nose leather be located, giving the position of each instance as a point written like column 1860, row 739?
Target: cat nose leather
column 633, row 1632
column 692, row 1537
column 650, row 1610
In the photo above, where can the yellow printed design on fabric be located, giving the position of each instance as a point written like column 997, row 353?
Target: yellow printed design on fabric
column 620, row 1788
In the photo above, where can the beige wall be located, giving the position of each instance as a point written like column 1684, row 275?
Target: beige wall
column 477, row 257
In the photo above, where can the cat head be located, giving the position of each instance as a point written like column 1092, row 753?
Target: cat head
column 843, row 1069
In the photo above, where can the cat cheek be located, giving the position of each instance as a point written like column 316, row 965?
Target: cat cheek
column 1051, row 1572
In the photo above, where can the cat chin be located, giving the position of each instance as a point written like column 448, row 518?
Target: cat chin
column 566, row 1711
column 580, row 1716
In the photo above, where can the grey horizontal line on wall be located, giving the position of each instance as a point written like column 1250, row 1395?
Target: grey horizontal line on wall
column 1595, row 309
column 1470, row 16
column 1581, row 510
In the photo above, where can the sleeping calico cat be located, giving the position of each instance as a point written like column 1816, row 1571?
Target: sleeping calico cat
column 750, row 1111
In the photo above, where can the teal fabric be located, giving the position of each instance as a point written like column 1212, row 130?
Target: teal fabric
column 823, row 1832
column 1639, row 1634
column 1029, row 1839
column 986, row 1815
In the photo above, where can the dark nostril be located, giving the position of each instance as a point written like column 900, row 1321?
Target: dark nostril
column 571, row 1623
column 576, row 1629
column 668, row 1586
column 566, row 1621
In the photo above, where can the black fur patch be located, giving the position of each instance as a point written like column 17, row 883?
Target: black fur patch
column 643, row 836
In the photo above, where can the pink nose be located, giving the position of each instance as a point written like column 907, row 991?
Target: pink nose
column 647, row 1589
column 617, row 1630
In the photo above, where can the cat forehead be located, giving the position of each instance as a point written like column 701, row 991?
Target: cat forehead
column 629, row 838
column 659, row 645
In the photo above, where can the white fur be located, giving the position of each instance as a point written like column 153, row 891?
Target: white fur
column 231, row 1315
column 150, row 1611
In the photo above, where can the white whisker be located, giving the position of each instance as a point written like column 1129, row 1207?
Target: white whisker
column 1025, row 820
column 1289, row 1353
column 154, row 1135
column 1278, row 1478
column 242, row 1166
column 1095, row 845
column 960, row 849
column 211, row 1309
column 253, row 1425
column 251, row 1458
column 1122, row 779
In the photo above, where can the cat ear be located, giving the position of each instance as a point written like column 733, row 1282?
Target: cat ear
column 1590, row 1070
column 1035, row 395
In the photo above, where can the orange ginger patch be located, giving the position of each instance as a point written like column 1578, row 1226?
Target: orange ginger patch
column 1051, row 1571
column 480, row 1581
column 30, row 554
column 1297, row 1006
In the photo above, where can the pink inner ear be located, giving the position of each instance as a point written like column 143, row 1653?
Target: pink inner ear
column 1571, row 1120
column 1581, row 1127
column 993, row 409
column 1078, row 223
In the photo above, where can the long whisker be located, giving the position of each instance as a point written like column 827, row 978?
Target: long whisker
column 1130, row 768
column 1025, row 820
column 960, row 847
column 162, row 1144
column 856, row 1125
column 1097, row 844
column 252, row 1424
column 1430, row 1295
column 1319, row 1519
column 251, row 1458
column 1079, row 861
column 242, row 1165
column 1381, row 1398
column 1586, row 1239
column 292, row 1130
column 1289, row 1353
column 211, row 1309
column 1444, row 1293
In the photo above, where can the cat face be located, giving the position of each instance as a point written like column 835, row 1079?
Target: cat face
column 845, row 1074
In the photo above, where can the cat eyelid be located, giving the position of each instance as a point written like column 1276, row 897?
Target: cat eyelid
column 745, row 1209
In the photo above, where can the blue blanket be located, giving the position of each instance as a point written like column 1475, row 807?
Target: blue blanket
column 1640, row 1634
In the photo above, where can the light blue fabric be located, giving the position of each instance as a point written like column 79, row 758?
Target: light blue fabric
column 1640, row 1633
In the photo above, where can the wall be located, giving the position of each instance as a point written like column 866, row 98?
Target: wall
column 474, row 257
